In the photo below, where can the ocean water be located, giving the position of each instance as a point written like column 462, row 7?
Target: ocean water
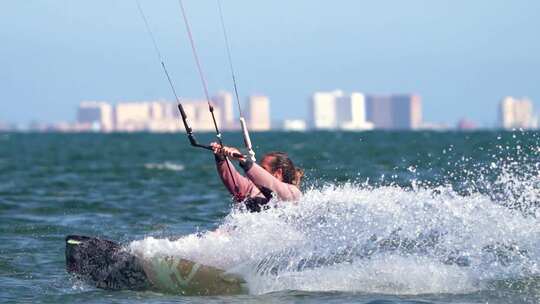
column 386, row 217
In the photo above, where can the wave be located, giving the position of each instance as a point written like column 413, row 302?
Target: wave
column 165, row 166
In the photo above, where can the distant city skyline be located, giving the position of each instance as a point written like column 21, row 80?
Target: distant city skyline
column 512, row 113
column 462, row 57
column 164, row 115
column 333, row 110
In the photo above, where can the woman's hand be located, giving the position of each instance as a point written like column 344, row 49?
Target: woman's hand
column 233, row 153
column 226, row 151
column 216, row 148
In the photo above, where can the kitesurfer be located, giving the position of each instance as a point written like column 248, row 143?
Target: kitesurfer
column 276, row 175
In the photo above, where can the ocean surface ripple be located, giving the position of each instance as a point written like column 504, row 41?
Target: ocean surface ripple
column 386, row 217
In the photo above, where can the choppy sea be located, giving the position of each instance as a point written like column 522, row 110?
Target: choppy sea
column 386, row 217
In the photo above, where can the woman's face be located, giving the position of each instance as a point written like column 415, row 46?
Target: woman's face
column 266, row 163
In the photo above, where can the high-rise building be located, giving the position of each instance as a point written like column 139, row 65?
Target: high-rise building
column 98, row 115
column 258, row 113
column 417, row 116
column 201, row 118
column 160, row 110
column 394, row 112
column 517, row 113
column 379, row 111
column 351, row 112
column 163, row 117
column 322, row 107
column 407, row 112
column 224, row 101
column 132, row 116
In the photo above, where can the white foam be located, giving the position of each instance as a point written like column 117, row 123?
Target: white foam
column 165, row 166
column 369, row 239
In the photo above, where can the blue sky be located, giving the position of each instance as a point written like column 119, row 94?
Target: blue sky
column 461, row 56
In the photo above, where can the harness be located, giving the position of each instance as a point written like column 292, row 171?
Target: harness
column 257, row 204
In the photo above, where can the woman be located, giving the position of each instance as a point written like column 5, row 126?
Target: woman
column 276, row 175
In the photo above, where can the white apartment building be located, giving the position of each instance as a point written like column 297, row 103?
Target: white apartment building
column 200, row 117
column 132, row 116
column 258, row 113
column 163, row 117
column 224, row 101
column 517, row 113
column 322, row 107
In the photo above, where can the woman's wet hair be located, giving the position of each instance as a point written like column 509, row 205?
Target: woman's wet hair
column 290, row 174
column 299, row 174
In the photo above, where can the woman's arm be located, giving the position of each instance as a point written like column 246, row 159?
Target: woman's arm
column 239, row 186
column 261, row 177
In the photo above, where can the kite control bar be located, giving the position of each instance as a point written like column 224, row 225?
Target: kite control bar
column 192, row 140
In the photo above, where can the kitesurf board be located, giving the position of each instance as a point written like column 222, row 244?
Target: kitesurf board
column 107, row 265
